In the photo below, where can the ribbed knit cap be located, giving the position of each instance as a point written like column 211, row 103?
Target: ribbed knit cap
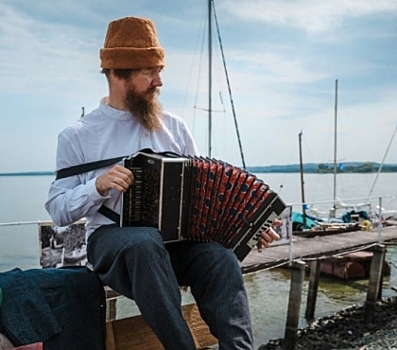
column 131, row 43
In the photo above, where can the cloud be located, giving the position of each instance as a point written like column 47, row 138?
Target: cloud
column 308, row 15
column 277, row 66
column 36, row 53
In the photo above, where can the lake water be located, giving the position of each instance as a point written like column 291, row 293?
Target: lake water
column 22, row 201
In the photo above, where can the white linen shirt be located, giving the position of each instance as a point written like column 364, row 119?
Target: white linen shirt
column 105, row 133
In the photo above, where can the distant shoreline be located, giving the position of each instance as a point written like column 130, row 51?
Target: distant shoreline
column 308, row 168
column 326, row 168
column 29, row 173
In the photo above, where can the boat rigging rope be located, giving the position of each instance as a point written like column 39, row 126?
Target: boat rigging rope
column 383, row 161
column 229, row 90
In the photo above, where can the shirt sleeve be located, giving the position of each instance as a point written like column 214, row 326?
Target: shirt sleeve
column 74, row 197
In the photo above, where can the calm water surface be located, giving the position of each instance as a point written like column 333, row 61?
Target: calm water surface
column 22, row 200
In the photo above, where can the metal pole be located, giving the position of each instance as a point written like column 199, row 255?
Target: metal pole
column 380, row 221
column 302, row 181
column 335, row 135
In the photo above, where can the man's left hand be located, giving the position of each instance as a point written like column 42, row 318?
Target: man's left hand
column 268, row 236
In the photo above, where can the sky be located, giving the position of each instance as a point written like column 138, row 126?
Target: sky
column 283, row 60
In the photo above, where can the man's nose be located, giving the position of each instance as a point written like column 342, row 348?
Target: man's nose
column 157, row 80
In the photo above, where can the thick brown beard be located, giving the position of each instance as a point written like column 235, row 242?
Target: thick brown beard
column 145, row 107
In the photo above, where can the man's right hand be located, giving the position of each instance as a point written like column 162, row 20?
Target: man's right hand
column 118, row 177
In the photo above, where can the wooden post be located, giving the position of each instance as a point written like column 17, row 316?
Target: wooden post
column 313, row 288
column 381, row 277
column 110, row 337
column 375, row 277
column 111, row 309
column 294, row 304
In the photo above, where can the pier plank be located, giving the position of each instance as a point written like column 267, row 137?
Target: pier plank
column 305, row 248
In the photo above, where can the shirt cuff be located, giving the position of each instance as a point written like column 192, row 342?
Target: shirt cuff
column 93, row 193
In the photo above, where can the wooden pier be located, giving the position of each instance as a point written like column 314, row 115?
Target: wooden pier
column 322, row 246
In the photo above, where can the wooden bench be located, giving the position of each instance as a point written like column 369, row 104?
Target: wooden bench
column 134, row 333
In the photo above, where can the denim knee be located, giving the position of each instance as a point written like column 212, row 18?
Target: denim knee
column 143, row 236
column 142, row 242
column 224, row 258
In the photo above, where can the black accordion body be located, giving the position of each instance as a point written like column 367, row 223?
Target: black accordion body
column 198, row 199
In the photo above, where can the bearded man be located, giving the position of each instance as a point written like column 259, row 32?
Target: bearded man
column 134, row 261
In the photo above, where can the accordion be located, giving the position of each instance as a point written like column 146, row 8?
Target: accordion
column 198, row 199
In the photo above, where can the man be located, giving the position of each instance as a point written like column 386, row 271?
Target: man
column 134, row 261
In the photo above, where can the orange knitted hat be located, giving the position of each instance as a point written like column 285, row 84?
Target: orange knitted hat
column 131, row 43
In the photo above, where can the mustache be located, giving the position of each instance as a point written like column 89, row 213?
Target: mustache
column 153, row 91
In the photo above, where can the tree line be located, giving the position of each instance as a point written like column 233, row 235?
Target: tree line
column 367, row 167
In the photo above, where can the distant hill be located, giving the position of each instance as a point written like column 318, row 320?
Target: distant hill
column 348, row 167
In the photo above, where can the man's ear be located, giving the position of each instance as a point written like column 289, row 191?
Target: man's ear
column 115, row 79
column 112, row 75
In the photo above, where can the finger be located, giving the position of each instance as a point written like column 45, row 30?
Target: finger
column 270, row 235
column 262, row 244
column 266, row 239
column 127, row 176
column 120, row 176
column 119, row 169
column 120, row 183
column 265, row 243
column 277, row 223
column 274, row 235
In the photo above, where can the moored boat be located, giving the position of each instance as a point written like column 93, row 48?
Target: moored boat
column 351, row 266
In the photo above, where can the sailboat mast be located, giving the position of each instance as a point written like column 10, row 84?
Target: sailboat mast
column 335, row 136
column 211, row 14
column 302, row 180
column 209, row 78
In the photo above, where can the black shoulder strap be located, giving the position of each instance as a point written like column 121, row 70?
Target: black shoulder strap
column 83, row 168
column 110, row 214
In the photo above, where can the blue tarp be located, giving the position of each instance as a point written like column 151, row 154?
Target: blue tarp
column 297, row 220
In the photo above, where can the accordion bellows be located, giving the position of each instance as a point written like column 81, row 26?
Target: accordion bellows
column 199, row 199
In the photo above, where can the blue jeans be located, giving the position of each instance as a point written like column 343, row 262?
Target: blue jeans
column 135, row 262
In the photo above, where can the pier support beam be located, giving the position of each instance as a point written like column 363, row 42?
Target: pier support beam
column 111, row 309
column 294, row 304
column 313, row 288
column 374, row 283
